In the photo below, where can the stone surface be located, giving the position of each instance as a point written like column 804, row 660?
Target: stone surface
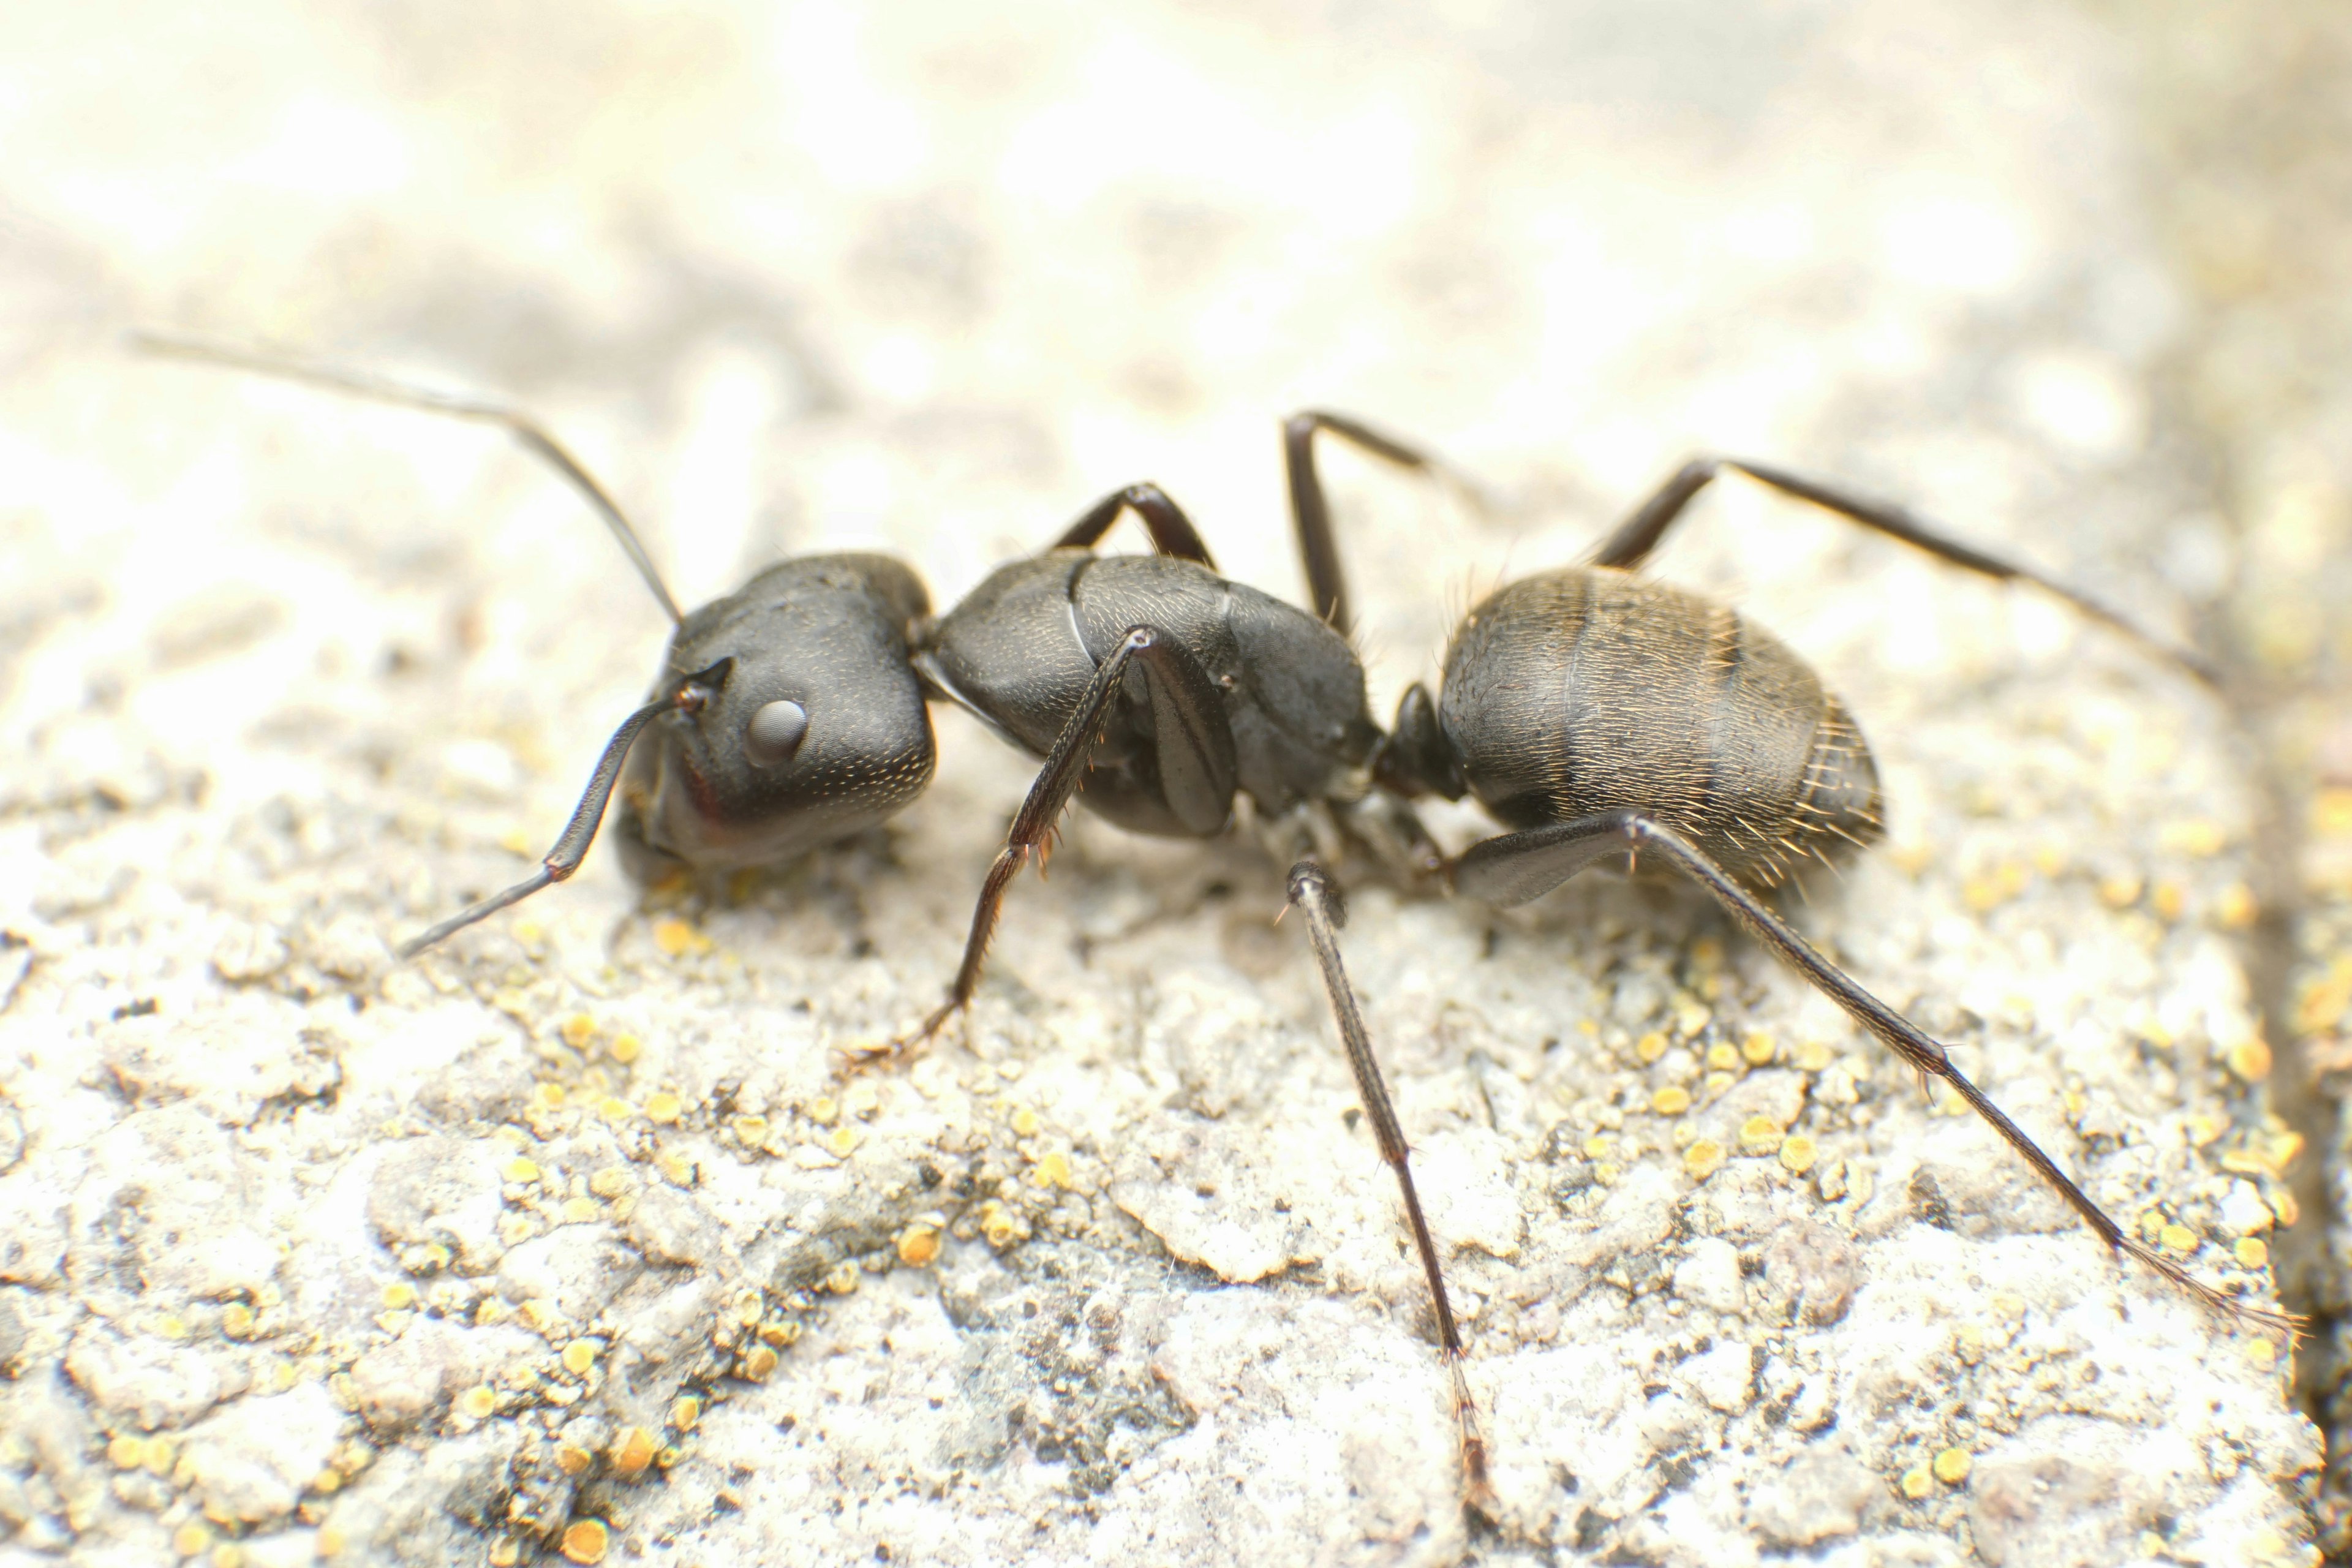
column 377, row 1262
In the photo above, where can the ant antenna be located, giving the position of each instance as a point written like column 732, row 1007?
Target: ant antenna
column 690, row 696
column 519, row 424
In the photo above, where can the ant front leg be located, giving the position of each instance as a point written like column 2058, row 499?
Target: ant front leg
column 1315, row 896
column 1517, row 866
column 1198, row 769
column 1639, row 534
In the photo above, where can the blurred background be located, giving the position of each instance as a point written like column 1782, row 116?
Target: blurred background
column 930, row 278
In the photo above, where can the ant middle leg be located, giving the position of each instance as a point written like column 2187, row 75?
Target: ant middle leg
column 1517, row 866
column 1318, row 898
column 1631, row 542
column 1310, row 514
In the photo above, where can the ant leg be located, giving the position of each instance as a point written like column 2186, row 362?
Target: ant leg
column 376, row 389
column 1639, row 534
column 1315, row 896
column 571, row 849
column 1197, row 773
column 1517, row 866
column 1173, row 533
column 1310, row 514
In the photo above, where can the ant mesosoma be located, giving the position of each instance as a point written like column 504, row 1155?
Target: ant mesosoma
column 1597, row 716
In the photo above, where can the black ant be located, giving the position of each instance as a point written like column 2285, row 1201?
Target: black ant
column 1596, row 715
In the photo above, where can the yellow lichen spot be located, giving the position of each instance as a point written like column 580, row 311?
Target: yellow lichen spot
column 1798, row 1154
column 577, row 1030
column 2263, row 1352
column 1001, row 1228
column 757, row 1363
column 2177, row 1238
column 586, row 1539
column 2235, row 909
column 2331, row 812
column 1671, row 1101
column 125, row 1453
column 1724, row 1056
column 822, row 1110
column 228, row 1554
column 751, row 1131
column 1757, row 1049
column 684, row 1412
column 1596, row 1147
column 2195, row 836
column 547, row 1096
column 1606, row 1173
column 1691, row 1015
column 2050, row 860
column 1917, row 1483
column 2204, row 1129
column 2168, row 901
column 677, row 1169
column 614, row 1109
column 843, row 1280
column 579, row 1357
column 573, row 1459
column 171, row 1326
column 491, row 1312
column 505, row 1552
column 1993, row 888
column 1760, row 1134
column 478, row 1402
column 2284, row 1150
column 1703, row 1159
column 1967, row 1343
column 1952, row 1466
column 664, row 1108
column 611, row 1181
column 625, row 1048
column 517, row 843
column 2151, row 1224
column 1815, row 1055
column 191, row 1539
column 1024, row 1122
column 2245, row 1163
column 918, row 1245
column 2250, row 1058
column 2251, row 1252
column 162, row 1454
column 843, row 1141
column 2282, row 1204
column 861, row 1098
column 2120, row 893
column 399, row 1296
column 1053, row 1171
column 1707, row 953
column 673, row 936
column 327, row 1482
column 582, row 1211
column 780, row 1333
column 632, row 1453
column 237, row 1319
column 1649, row 1048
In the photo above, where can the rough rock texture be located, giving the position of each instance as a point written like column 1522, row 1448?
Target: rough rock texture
column 570, row 1236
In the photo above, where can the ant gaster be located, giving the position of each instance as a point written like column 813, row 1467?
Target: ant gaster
column 1597, row 716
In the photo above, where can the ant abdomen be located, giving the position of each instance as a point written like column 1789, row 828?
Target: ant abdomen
column 1588, row 690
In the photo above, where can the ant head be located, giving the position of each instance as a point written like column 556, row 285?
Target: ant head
column 815, row 731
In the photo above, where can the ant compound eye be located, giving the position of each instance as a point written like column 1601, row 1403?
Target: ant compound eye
column 775, row 733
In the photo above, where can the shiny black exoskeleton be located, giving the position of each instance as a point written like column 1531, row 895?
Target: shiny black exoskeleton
column 1598, row 716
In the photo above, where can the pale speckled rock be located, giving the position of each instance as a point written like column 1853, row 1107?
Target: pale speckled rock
column 251, row 1463
column 282, row 679
column 440, row 1190
column 149, row 1380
